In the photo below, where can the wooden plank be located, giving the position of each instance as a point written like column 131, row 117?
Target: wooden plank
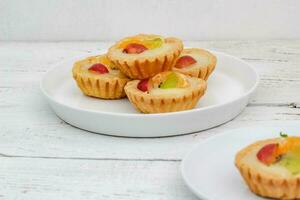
column 35, row 179
column 42, row 134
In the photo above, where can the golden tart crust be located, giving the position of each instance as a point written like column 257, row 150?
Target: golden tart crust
column 148, row 63
column 205, row 65
column 166, row 101
column 105, row 86
column 263, row 183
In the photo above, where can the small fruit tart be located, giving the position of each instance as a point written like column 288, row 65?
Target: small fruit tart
column 97, row 77
column 165, row 92
column 143, row 56
column 271, row 168
column 196, row 62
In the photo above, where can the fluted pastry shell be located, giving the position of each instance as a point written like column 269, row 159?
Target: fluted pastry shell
column 160, row 103
column 102, row 86
column 264, row 183
column 149, row 63
column 205, row 65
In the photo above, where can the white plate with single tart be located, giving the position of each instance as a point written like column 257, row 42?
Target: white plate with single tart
column 228, row 91
column 209, row 169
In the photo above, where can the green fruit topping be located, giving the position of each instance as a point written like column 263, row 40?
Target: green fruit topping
column 170, row 82
column 153, row 43
column 291, row 162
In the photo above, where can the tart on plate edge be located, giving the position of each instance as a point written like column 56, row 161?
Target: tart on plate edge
column 165, row 92
column 271, row 168
column 96, row 76
column 196, row 62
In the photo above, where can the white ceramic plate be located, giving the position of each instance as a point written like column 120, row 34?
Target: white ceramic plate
column 229, row 89
column 209, row 169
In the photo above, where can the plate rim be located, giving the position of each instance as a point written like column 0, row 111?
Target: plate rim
column 195, row 110
column 201, row 194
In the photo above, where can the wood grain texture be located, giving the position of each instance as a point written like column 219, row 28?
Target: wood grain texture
column 42, row 156
column 36, row 179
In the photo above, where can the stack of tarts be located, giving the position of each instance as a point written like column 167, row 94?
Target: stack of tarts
column 154, row 72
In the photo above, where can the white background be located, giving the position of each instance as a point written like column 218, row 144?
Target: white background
column 112, row 19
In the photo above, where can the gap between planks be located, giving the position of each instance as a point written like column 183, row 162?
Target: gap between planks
column 289, row 105
column 92, row 159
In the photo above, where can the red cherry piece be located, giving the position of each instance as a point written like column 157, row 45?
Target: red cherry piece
column 185, row 61
column 134, row 48
column 268, row 153
column 143, row 85
column 99, row 68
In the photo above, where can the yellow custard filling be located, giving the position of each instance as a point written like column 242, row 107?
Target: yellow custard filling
column 113, row 72
column 149, row 41
column 168, row 84
column 193, row 83
column 200, row 60
column 287, row 163
column 192, row 60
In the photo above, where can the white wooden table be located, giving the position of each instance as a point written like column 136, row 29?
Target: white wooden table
column 43, row 158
